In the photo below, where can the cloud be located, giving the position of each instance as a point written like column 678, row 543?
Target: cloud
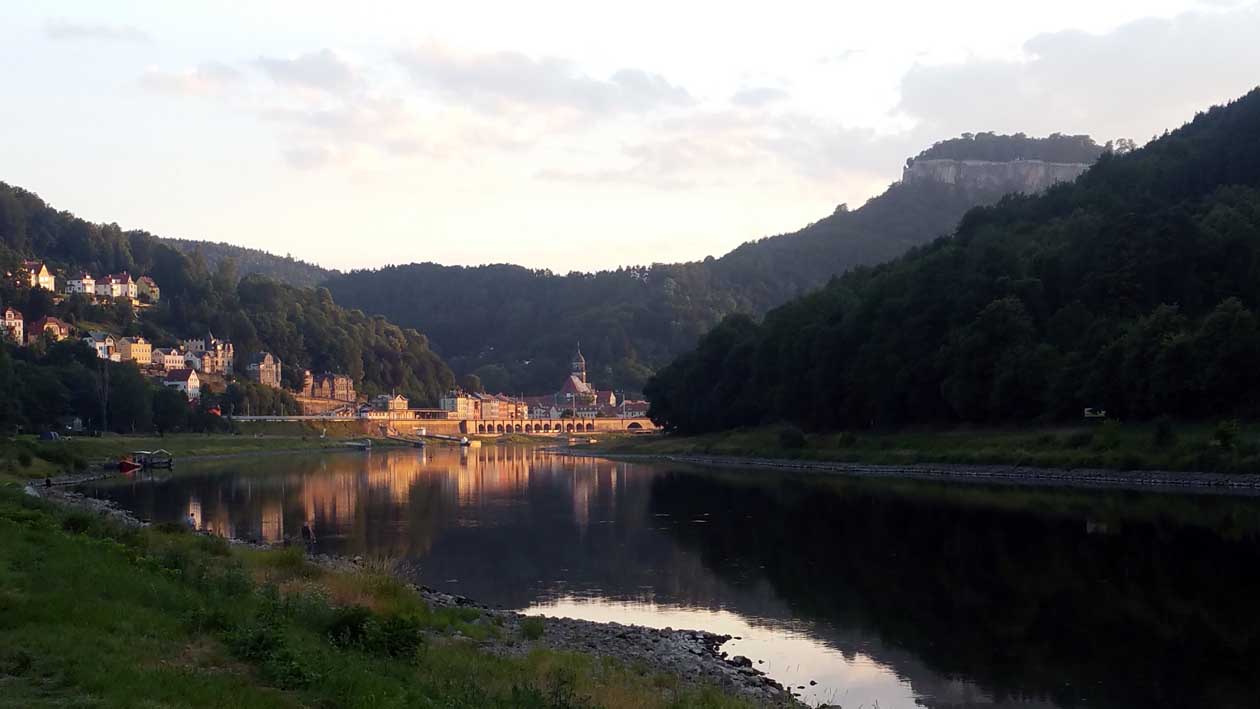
column 503, row 80
column 1134, row 81
column 307, row 157
column 63, row 29
column 323, row 70
column 758, row 96
column 704, row 146
column 207, row 79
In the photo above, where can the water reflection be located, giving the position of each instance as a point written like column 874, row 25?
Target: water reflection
column 902, row 593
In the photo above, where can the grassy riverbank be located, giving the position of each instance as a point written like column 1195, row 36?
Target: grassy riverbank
column 96, row 614
column 28, row 457
column 1222, row 447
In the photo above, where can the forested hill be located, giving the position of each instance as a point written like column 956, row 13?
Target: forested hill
column 302, row 326
column 1131, row 289
column 515, row 327
column 249, row 262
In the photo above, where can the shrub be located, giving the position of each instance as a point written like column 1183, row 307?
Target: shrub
column 214, row 545
column 394, row 636
column 24, row 459
column 1226, row 434
column 1109, row 434
column 358, row 627
column 349, row 626
column 77, row 522
column 263, row 644
column 171, row 528
column 174, row 558
column 532, row 628
column 1163, row 435
column 207, row 619
column 1080, row 439
column 791, row 437
column 846, row 439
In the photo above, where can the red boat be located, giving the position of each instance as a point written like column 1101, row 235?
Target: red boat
column 127, row 465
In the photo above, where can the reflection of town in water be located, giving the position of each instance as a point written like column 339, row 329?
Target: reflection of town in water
column 340, row 495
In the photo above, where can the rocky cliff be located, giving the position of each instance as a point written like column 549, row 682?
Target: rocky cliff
column 1026, row 176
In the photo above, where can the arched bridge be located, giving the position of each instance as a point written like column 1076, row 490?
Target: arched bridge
column 487, row 427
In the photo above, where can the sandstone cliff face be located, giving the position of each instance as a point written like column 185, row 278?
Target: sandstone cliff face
column 1027, row 176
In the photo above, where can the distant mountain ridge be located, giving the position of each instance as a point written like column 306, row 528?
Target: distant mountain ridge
column 284, row 269
column 514, row 327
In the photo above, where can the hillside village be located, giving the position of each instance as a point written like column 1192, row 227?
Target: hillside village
column 191, row 365
column 203, row 363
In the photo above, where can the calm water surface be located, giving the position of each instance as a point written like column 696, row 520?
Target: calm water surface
column 886, row 594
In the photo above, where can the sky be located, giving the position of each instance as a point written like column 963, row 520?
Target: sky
column 562, row 135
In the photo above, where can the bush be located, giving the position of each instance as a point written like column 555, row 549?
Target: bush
column 263, row 644
column 77, row 522
column 791, row 437
column 532, row 628
column 358, row 627
column 1163, row 435
column 846, row 439
column 1080, row 439
column 171, row 528
column 1226, row 434
column 24, row 459
column 349, row 626
column 394, row 636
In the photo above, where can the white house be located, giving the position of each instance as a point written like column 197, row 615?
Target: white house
column 117, row 285
column 184, row 380
column 168, row 358
column 11, row 325
column 390, row 402
column 104, row 343
column 83, row 284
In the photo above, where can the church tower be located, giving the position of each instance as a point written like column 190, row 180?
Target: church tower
column 578, row 365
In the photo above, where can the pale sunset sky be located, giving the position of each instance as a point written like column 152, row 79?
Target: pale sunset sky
column 561, row 135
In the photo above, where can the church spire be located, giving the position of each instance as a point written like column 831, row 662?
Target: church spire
column 578, row 365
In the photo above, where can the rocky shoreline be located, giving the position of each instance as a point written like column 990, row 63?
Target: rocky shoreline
column 694, row 656
column 1157, row 480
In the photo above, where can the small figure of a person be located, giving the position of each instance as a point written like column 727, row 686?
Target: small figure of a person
column 191, row 522
column 308, row 535
column 47, row 481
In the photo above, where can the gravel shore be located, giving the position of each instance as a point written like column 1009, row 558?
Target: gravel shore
column 692, row 655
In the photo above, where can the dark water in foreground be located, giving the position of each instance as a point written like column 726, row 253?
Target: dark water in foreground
column 886, row 593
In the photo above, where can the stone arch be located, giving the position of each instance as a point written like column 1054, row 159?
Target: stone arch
column 529, row 428
column 518, row 428
column 569, row 427
column 481, row 428
column 590, row 427
column 499, row 428
column 635, row 426
column 546, row 428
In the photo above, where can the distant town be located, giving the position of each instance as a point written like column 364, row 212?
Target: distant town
column 204, row 362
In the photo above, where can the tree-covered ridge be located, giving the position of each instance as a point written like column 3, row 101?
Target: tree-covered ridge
column 993, row 147
column 284, row 269
column 303, row 326
column 1132, row 289
column 514, row 327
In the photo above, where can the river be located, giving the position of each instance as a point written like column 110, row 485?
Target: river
column 860, row 593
